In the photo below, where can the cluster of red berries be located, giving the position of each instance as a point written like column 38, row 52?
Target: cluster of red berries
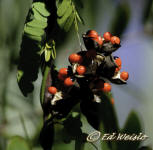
column 107, row 36
column 93, row 64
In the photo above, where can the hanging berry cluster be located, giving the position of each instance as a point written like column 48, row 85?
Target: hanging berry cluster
column 89, row 74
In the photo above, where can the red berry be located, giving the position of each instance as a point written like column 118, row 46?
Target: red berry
column 115, row 40
column 63, row 71
column 124, row 75
column 107, row 36
column 118, row 61
column 81, row 70
column 60, row 77
column 68, row 82
column 106, row 88
column 99, row 40
column 92, row 33
column 52, row 90
column 91, row 53
column 75, row 58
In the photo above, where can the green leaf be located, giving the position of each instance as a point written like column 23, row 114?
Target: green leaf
column 40, row 7
column 61, row 21
column 32, row 42
column 38, row 16
column 37, row 24
column 34, row 31
column 17, row 143
column 132, row 126
column 69, row 22
column 35, row 38
column 47, row 55
column 62, row 7
column 28, row 66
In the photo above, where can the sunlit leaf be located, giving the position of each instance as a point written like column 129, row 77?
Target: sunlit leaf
column 38, row 16
column 37, row 24
column 34, row 31
column 41, row 8
column 61, row 21
column 62, row 7
column 34, row 37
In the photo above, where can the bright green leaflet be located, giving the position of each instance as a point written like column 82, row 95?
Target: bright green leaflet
column 40, row 7
column 38, row 16
column 61, row 21
column 34, row 31
column 33, row 37
column 62, row 7
column 37, row 24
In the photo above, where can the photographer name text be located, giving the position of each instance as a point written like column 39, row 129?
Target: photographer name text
column 96, row 135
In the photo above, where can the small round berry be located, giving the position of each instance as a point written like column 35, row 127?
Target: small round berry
column 92, row 33
column 75, row 58
column 52, row 90
column 63, row 71
column 115, row 40
column 107, row 36
column 107, row 87
column 68, row 82
column 91, row 53
column 81, row 70
column 99, row 40
column 60, row 77
column 118, row 61
column 124, row 75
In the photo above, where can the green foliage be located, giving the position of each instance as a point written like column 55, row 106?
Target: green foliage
column 67, row 14
column 18, row 143
column 33, row 39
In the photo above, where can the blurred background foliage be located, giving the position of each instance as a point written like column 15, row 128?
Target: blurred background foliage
column 131, row 20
